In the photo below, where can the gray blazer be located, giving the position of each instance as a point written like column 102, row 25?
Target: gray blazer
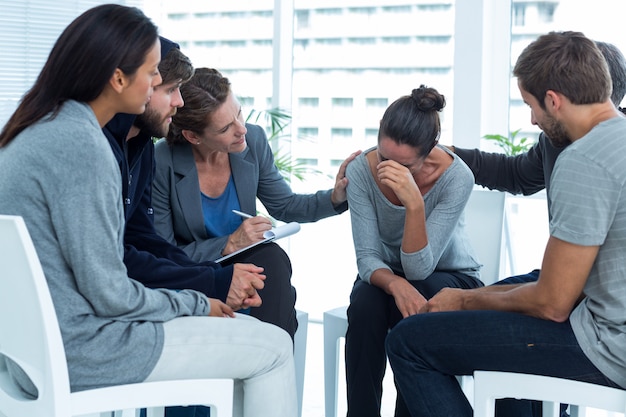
column 177, row 199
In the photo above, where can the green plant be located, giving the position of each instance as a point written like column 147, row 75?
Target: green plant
column 512, row 145
column 275, row 121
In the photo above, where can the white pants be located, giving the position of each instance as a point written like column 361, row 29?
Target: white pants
column 258, row 355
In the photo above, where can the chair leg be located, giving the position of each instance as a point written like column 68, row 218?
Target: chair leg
column 331, row 372
column 551, row 409
column 300, row 354
column 484, row 401
column 577, row 411
column 155, row 412
column 335, row 325
column 467, row 385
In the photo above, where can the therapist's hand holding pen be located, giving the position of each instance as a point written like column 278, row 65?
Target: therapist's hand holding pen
column 250, row 231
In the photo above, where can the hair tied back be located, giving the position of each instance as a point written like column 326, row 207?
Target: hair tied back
column 428, row 99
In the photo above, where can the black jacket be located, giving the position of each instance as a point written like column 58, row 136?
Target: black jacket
column 526, row 173
column 149, row 258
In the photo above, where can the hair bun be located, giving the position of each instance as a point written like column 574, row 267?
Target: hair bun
column 428, row 99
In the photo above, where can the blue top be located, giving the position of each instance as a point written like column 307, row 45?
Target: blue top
column 219, row 218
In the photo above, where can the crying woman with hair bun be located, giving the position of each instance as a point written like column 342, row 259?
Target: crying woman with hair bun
column 406, row 197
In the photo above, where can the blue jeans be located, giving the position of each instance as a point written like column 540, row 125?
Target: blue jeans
column 426, row 351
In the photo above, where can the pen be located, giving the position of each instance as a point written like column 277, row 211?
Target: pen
column 242, row 214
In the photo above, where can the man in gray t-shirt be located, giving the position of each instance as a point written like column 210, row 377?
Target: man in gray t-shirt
column 570, row 322
column 529, row 172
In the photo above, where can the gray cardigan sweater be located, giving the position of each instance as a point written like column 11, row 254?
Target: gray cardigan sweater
column 60, row 176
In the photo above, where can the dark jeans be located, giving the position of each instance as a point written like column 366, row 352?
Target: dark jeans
column 426, row 351
column 371, row 314
column 279, row 300
column 520, row 279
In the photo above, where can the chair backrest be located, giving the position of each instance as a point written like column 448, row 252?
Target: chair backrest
column 484, row 219
column 29, row 331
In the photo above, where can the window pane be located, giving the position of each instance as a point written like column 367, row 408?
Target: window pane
column 342, row 102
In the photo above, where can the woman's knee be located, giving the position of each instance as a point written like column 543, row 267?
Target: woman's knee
column 439, row 280
column 270, row 255
column 366, row 298
column 369, row 307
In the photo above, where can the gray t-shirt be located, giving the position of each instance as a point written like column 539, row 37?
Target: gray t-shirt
column 61, row 177
column 378, row 225
column 588, row 207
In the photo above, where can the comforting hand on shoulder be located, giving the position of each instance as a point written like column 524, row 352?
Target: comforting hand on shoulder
column 341, row 181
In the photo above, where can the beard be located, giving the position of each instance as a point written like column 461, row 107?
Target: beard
column 153, row 123
column 555, row 132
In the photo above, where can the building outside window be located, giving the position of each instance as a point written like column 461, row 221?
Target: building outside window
column 310, row 102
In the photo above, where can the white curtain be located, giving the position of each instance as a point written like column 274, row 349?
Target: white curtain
column 28, row 30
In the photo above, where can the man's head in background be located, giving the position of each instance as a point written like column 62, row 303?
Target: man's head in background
column 175, row 69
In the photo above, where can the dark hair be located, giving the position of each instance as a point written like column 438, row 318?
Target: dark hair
column 175, row 66
column 414, row 120
column 566, row 62
column 204, row 93
column 617, row 69
column 83, row 60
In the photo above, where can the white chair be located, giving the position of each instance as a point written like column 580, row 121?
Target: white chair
column 484, row 220
column 485, row 224
column 30, row 337
column 335, row 324
column 491, row 385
